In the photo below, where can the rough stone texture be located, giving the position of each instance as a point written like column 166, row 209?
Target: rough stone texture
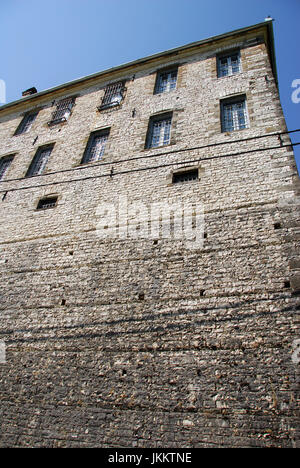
column 143, row 343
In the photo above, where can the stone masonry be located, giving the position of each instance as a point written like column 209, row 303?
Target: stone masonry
column 143, row 341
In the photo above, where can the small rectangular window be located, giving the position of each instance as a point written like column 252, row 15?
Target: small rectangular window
column 26, row 123
column 5, row 162
column 185, row 176
column 39, row 161
column 229, row 64
column 234, row 114
column 159, row 131
column 113, row 96
column 63, row 110
column 96, row 146
column 166, row 81
column 47, row 203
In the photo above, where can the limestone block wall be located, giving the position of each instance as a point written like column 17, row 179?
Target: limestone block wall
column 143, row 341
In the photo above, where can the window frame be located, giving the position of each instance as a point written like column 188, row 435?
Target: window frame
column 155, row 119
column 50, row 205
column 4, row 169
column 63, row 110
column 36, row 159
column 224, row 103
column 181, row 176
column 169, row 87
column 22, row 127
column 112, row 90
column 86, row 159
column 229, row 56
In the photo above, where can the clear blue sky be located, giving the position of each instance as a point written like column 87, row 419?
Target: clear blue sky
column 47, row 43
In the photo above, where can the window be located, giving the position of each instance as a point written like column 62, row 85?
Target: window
column 234, row 114
column 159, row 131
column 229, row 64
column 4, row 165
column 63, row 110
column 39, row 161
column 166, row 81
column 96, row 146
column 26, row 123
column 47, row 203
column 113, row 96
column 185, row 176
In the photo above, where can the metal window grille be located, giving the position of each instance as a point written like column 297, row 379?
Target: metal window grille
column 113, row 96
column 234, row 116
column 159, row 132
column 4, row 165
column 166, row 81
column 96, row 147
column 47, row 203
column 26, row 123
column 39, row 161
column 229, row 65
column 63, row 110
column 186, row 176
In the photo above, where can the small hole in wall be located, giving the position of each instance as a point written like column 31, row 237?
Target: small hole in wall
column 277, row 226
column 155, row 242
column 287, row 284
column 141, row 296
column 202, row 291
column 71, row 252
column 124, row 372
column 205, row 235
column 63, row 302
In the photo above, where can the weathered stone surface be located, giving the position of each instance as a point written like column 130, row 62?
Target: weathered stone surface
column 143, row 342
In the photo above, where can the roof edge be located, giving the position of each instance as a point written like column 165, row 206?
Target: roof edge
column 267, row 23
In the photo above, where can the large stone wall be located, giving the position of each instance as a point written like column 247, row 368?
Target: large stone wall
column 143, row 342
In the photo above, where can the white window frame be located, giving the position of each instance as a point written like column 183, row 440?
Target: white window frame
column 235, row 113
column 229, row 67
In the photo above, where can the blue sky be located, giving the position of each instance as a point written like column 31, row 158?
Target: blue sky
column 47, row 43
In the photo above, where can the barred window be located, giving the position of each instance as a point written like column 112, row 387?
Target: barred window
column 39, row 161
column 234, row 115
column 47, row 203
column 96, row 146
column 63, row 110
column 5, row 162
column 26, row 123
column 229, row 64
column 159, row 131
column 113, row 96
column 185, row 176
column 166, row 81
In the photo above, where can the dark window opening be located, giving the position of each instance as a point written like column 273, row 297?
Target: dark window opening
column 26, row 123
column 277, row 226
column 39, row 161
column 47, row 203
column 287, row 284
column 185, row 176
column 5, row 162
column 113, row 96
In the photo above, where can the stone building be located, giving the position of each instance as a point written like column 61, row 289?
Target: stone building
column 150, row 255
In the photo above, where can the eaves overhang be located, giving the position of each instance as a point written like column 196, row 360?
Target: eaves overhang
column 67, row 87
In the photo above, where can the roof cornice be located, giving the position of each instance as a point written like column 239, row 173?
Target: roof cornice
column 268, row 24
